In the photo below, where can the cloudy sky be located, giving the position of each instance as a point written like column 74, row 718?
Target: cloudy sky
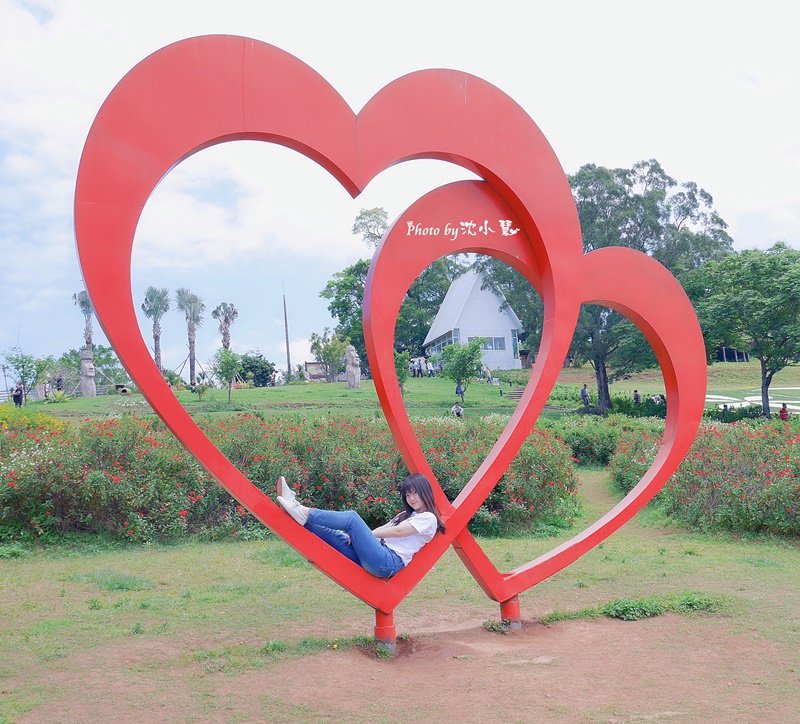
column 708, row 89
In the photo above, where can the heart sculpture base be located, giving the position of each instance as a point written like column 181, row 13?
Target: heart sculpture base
column 212, row 89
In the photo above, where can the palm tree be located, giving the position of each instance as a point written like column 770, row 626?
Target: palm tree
column 226, row 314
column 81, row 298
column 155, row 306
column 193, row 307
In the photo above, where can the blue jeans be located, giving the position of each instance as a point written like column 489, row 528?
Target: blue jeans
column 352, row 537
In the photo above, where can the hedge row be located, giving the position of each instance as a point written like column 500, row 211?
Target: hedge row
column 129, row 477
column 739, row 477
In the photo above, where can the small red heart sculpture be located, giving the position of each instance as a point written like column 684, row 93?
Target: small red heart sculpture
column 623, row 279
column 212, row 89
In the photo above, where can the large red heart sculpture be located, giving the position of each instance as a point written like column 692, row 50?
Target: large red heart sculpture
column 208, row 90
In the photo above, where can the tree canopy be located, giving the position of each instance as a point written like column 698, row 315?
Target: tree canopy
column 751, row 300
column 227, row 367
column 462, row 362
column 155, row 305
column 345, row 292
column 257, row 369
column 28, row 370
column 328, row 349
column 106, row 363
column 641, row 208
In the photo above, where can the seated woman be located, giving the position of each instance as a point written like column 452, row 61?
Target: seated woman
column 385, row 550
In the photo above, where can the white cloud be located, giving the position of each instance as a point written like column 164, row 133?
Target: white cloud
column 708, row 90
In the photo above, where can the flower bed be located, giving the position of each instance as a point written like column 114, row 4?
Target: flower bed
column 739, row 477
column 129, row 477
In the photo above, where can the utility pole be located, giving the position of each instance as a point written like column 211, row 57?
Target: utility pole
column 286, row 331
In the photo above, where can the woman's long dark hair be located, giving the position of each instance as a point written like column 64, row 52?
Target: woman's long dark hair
column 419, row 484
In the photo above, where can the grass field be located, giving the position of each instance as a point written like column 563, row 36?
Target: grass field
column 424, row 397
column 91, row 632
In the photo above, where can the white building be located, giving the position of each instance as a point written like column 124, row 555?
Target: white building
column 468, row 312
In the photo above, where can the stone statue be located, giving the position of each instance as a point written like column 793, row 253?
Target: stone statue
column 353, row 368
column 88, row 387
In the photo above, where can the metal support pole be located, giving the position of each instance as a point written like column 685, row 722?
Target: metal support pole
column 509, row 611
column 385, row 633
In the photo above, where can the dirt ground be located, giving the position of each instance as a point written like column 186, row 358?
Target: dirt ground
column 671, row 668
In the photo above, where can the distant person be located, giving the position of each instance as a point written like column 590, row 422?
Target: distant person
column 456, row 410
column 784, row 412
column 18, row 395
column 585, row 395
column 637, row 398
column 460, row 391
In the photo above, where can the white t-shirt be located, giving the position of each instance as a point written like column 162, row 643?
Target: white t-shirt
column 408, row 545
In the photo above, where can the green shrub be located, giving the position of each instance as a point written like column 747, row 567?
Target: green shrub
column 748, row 412
column 635, row 453
column 739, row 477
column 624, row 405
column 514, row 378
column 131, row 479
column 628, row 609
column 593, row 440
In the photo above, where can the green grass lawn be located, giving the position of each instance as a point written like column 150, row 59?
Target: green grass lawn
column 423, row 398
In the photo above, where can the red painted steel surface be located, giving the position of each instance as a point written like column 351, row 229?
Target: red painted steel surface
column 212, row 89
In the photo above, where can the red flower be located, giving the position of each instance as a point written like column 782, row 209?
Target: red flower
column 183, row 513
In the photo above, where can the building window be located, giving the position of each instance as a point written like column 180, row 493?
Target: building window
column 440, row 343
column 515, row 343
column 491, row 343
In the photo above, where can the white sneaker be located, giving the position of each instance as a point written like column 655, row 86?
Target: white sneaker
column 293, row 508
column 284, row 490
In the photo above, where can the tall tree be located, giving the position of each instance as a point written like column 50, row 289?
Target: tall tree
column 28, row 370
column 192, row 307
column 751, row 301
column 644, row 209
column 228, row 367
column 345, row 292
column 84, row 303
column 257, row 368
column 461, row 362
column 225, row 313
column 156, row 304
column 328, row 350
column 371, row 224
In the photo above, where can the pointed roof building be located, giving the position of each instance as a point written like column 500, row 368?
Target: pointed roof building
column 467, row 312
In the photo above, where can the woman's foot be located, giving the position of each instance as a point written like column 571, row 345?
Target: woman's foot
column 293, row 508
column 284, row 491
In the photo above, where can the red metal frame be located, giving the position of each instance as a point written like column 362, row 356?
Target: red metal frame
column 208, row 90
